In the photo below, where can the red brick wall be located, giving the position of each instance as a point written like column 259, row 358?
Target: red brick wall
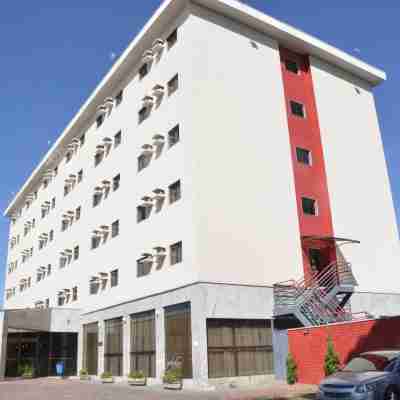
column 308, row 345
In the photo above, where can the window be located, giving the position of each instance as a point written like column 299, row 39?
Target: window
column 80, row 176
column 114, row 278
column 115, row 228
column 143, row 114
column 297, row 109
column 143, row 71
column 53, row 203
column 63, row 262
column 303, row 156
column 33, row 224
column 78, row 214
column 64, row 225
column 55, row 172
column 60, row 300
column 173, row 85
column 49, row 270
column 66, row 189
column 113, row 346
column 174, row 192
column 98, row 158
column 96, row 199
column 119, row 97
column 117, row 139
column 68, row 157
column 143, row 162
column 99, row 120
column 292, row 66
column 82, row 140
column 93, row 288
column 142, row 213
column 309, row 206
column 173, row 136
column 143, row 267
column 176, row 253
column 47, row 303
column 95, row 242
column 51, row 235
column 116, row 182
column 75, row 293
column 76, row 252
column 172, row 38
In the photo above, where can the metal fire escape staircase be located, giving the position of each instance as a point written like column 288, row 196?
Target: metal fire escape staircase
column 318, row 299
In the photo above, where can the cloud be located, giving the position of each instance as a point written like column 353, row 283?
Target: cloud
column 357, row 50
column 112, row 56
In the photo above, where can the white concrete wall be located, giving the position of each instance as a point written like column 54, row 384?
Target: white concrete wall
column 245, row 216
column 358, row 183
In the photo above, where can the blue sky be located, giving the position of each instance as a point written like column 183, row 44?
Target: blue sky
column 55, row 53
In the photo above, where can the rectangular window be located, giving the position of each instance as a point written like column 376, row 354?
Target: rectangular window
column 173, row 85
column 292, row 66
column 113, row 346
column 80, row 176
column 142, row 213
column 143, row 343
column 173, row 136
column 143, row 267
column 143, row 114
column 115, row 228
column 51, row 235
column 309, row 206
column 119, row 97
column 142, row 162
column 98, row 158
column 76, row 252
column 99, row 120
column 82, row 140
column 75, row 293
column 96, row 199
column 172, row 39
column 53, row 203
column 114, row 278
column 116, row 182
column 174, row 192
column 66, row 189
column 143, row 71
column 55, row 174
column 95, row 242
column 63, row 262
column 49, row 270
column 64, row 225
column 297, row 109
column 78, row 214
column 117, row 139
column 68, row 157
column 47, row 303
column 303, row 156
column 176, row 253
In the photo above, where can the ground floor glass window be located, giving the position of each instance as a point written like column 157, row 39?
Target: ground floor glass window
column 90, row 347
column 113, row 346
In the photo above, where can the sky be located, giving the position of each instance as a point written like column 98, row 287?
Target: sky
column 53, row 54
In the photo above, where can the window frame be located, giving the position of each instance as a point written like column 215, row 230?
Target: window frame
column 176, row 253
column 293, row 104
column 314, row 206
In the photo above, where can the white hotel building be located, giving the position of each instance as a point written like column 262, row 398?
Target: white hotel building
column 224, row 152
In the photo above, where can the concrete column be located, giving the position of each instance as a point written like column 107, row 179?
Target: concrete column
column 100, row 361
column 79, row 362
column 160, row 343
column 126, row 353
column 199, row 338
column 3, row 343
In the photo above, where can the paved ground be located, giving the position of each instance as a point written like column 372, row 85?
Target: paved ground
column 53, row 389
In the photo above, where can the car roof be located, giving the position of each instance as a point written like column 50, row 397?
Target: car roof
column 389, row 354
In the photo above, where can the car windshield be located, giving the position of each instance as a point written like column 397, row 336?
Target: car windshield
column 367, row 362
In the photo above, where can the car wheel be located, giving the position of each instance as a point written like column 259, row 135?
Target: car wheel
column 391, row 394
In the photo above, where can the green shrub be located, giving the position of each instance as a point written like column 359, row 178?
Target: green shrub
column 83, row 372
column 106, row 375
column 173, row 375
column 291, row 370
column 332, row 362
column 136, row 375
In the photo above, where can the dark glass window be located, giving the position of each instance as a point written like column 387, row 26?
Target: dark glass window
column 143, row 71
column 113, row 346
column 297, row 109
column 114, row 278
column 143, row 114
column 75, row 293
column 76, row 252
column 143, row 267
column 99, row 120
column 176, row 253
column 53, row 203
column 142, row 213
column 117, row 139
column 172, row 38
column 292, row 66
column 96, row 199
column 143, row 162
column 119, row 97
column 115, row 228
column 116, row 182
column 68, row 157
column 173, row 85
column 51, row 235
column 78, row 214
column 303, row 156
column 80, row 176
column 95, row 242
column 98, row 158
column 90, row 347
column 173, row 136
column 309, row 206
column 82, row 140
column 174, row 192
column 143, row 343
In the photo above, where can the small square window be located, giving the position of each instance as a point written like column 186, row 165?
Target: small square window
column 303, row 156
column 117, row 139
column 143, row 114
column 173, row 136
column 174, row 192
column 143, row 71
column 309, row 206
column 80, row 176
column 176, row 253
column 114, row 278
column 297, row 109
column 119, row 97
column 76, row 252
column 172, row 39
column 292, row 66
column 173, row 85
column 99, row 120
column 115, row 229
column 142, row 213
column 116, row 182
column 143, row 267
column 82, row 140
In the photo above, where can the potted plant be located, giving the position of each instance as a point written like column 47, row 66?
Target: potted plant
column 137, row 378
column 84, row 375
column 107, row 377
column 26, row 371
column 173, row 379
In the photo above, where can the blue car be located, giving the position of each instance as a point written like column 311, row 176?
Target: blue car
column 373, row 375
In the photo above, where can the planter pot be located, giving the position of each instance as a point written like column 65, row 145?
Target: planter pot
column 84, row 377
column 107, row 380
column 27, row 376
column 173, row 385
column 137, row 381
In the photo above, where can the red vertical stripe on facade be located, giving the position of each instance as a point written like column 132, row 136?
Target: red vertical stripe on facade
column 310, row 181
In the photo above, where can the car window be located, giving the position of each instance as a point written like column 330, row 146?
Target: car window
column 367, row 362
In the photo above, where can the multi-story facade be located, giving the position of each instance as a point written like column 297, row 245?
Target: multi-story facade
column 224, row 152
